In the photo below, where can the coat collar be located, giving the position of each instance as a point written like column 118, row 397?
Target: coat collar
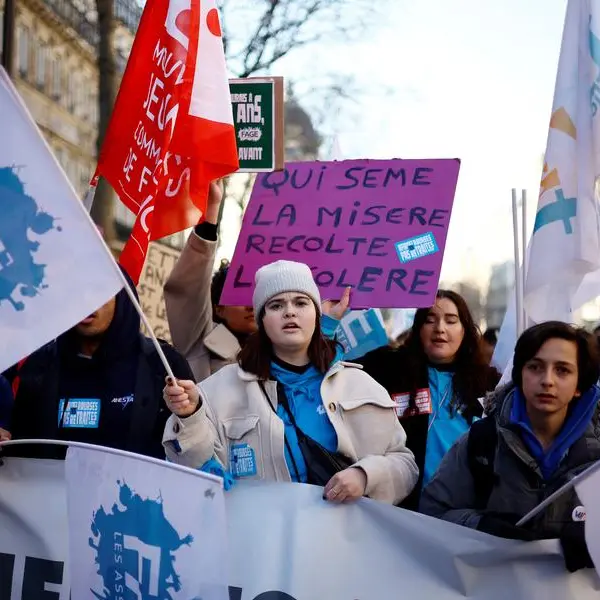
column 335, row 368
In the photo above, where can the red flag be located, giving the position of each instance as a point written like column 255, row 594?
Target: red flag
column 171, row 132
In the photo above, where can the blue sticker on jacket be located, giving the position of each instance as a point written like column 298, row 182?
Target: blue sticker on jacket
column 242, row 460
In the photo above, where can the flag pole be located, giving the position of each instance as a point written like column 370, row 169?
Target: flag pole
column 88, row 199
column 518, row 279
column 124, row 453
column 524, row 251
column 559, row 492
column 133, row 298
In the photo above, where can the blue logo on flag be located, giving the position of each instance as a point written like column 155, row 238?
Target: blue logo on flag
column 594, row 46
column 135, row 549
column 416, row 247
column 562, row 209
column 20, row 215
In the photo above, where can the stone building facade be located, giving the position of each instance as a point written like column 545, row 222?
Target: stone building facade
column 55, row 72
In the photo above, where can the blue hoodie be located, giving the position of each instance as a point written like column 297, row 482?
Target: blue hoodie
column 577, row 421
column 303, row 392
column 446, row 425
column 6, row 403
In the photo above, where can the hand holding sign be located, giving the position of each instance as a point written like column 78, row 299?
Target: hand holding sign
column 334, row 309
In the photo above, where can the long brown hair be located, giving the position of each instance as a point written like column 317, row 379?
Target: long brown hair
column 257, row 353
column 473, row 377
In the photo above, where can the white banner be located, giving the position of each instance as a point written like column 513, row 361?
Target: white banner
column 286, row 543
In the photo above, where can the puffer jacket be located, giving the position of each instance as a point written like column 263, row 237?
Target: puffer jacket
column 518, row 482
column 235, row 413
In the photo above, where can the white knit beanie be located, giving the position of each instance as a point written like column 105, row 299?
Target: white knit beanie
column 283, row 276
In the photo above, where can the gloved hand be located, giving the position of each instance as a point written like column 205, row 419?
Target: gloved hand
column 504, row 525
column 575, row 551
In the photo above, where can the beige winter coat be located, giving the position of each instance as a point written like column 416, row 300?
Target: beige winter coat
column 234, row 411
column 207, row 346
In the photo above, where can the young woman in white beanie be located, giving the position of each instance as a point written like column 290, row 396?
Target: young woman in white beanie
column 290, row 410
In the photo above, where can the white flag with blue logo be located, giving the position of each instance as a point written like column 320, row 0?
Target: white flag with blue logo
column 563, row 270
column 144, row 529
column 54, row 268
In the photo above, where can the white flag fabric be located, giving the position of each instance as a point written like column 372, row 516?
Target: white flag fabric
column 563, row 270
column 143, row 529
column 588, row 490
column 54, row 268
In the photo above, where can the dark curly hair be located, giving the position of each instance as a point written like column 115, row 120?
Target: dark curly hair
column 473, row 377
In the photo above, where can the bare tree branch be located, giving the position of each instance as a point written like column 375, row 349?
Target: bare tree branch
column 269, row 30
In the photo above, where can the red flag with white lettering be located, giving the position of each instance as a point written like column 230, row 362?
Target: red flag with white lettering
column 171, row 132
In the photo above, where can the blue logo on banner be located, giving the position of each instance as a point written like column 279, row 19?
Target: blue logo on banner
column 135, row 549
column 20, row 215
column 416, row 247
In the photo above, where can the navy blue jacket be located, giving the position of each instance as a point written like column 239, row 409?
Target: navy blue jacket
column 6, row 403
column 125, row 374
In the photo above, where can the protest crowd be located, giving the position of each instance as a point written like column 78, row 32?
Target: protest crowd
column 260, row 382
column 264, row 392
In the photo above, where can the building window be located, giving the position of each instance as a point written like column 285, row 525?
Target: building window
column 55, row 77
column 40, row 67
column 76, row 87
column 84, row 177
column 23, row 57
column 69, row 100
column 93, row 107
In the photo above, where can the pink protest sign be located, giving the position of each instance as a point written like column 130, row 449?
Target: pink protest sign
column 379, row 226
